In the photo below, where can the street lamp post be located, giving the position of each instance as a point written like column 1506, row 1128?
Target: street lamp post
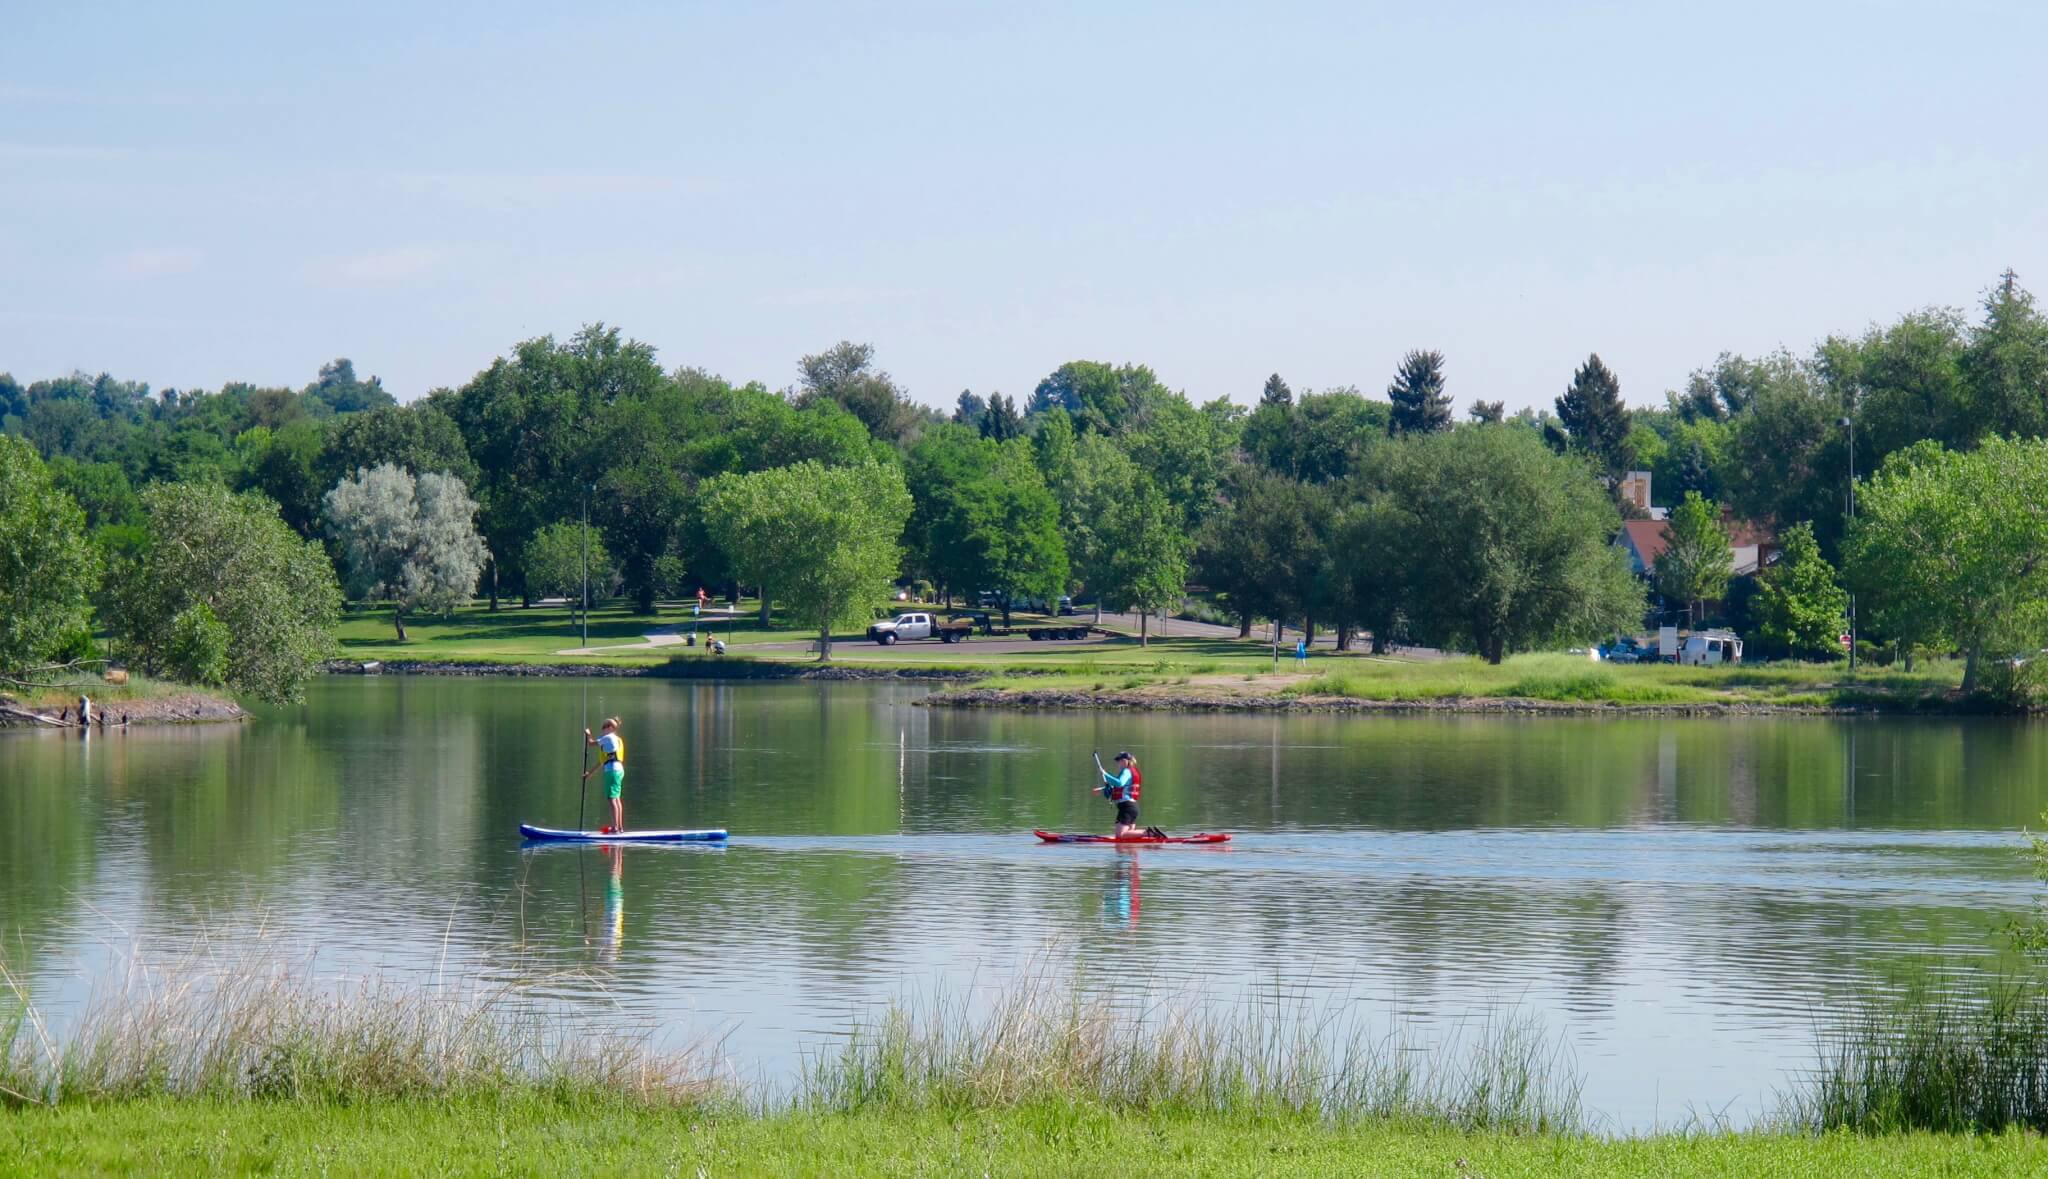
column 588, row 488
column 1849, row 424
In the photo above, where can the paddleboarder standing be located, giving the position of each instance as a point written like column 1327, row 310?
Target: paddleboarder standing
column 1123, row 788
column 612, row 749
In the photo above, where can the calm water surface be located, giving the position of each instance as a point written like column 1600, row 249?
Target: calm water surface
column 1679, row 900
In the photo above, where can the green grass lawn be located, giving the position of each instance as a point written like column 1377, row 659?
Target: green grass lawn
column 538, row 1136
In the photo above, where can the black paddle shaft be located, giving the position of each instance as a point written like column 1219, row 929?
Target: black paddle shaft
column 583, row 787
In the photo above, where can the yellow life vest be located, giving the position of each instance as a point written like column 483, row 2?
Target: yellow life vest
column 616, row 756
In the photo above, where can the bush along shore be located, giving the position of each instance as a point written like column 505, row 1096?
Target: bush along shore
column 247, row 1066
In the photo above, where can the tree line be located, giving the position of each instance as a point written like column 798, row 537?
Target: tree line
column 1388, row 516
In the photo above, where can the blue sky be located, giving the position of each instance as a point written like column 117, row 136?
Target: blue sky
column 244, row 191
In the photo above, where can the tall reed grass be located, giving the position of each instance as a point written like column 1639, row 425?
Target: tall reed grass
column 259, row 1026
column 1943, row 1058
column 1044, row 1042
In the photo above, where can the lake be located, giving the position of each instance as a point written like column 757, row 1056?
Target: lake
column 1679, row 901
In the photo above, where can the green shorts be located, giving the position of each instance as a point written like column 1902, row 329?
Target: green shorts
column 614, row 780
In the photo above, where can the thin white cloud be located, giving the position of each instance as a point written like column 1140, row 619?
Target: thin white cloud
column 395, row 266
column 141, row 265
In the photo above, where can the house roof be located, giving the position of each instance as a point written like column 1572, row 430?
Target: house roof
column 1649, row 539
column 1747, row 542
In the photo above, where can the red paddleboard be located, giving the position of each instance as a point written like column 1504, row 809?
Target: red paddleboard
column 1063, row 837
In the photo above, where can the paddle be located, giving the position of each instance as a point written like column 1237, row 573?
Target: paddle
column 583, row 787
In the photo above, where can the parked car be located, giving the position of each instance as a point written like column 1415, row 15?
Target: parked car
column 1626, row 650
column 1066, row 605
column 919, row 625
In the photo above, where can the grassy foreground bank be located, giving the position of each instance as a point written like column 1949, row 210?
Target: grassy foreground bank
column 539, row 1136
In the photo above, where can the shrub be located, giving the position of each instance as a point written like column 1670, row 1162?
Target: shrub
column 198, row 651
column 2012, row 685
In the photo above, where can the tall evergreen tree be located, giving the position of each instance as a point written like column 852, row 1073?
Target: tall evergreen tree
column 1592, row 414
column 1276, row 392
column 1420, row 404
column 2005, row 367
column 1002, row 421
column 1489, row 412
column 969, row 409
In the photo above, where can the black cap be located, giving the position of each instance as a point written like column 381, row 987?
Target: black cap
column 1123, row 755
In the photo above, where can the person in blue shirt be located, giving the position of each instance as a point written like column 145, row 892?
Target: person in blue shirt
column 1301, row 652
column 1123, row 788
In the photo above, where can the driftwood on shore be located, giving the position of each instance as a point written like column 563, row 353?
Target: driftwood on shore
column 31, row 715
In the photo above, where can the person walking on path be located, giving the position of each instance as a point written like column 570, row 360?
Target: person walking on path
column 1301, row 653
column 612, row 747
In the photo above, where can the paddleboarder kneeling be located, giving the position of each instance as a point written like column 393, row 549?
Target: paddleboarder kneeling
column 613, row 748
column 1123, row 788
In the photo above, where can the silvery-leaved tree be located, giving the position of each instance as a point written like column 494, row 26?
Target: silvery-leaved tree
column 411, row 542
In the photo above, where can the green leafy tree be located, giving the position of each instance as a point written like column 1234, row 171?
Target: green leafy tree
column 273, row 592
column 1697, row 562
column 845, row 374
column 822, row 539
column 555, row 561
column 1101, row 398
column 1142, row 563
column 1595, row 421
column 341, row 392
column 1488, row 413
column 1799, row 609
column 1787, row 457
column 418, row 438
column 411, row 542
column 1318, row 440
column 529, row 422
column 1270, row 553
column 48, row 565
column 101, row 489
column 1420, row 404
column 982, row 517
column 1953, row 545
column 285, row 464
column 1503, row 545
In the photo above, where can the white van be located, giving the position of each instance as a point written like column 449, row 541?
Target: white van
column 1710, row 647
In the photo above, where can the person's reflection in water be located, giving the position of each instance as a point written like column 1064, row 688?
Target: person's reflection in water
column 1120, row 900
column 614, row 905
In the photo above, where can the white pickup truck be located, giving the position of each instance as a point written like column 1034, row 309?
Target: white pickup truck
column 919, row 625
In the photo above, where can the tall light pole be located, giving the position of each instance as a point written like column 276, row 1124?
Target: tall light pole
column 588, row 488
column 1849, row 424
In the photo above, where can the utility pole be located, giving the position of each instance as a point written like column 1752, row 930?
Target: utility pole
column 587, row 489
column 1849, row 424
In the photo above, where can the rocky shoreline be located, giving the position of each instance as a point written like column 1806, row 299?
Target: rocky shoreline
column 184, row 708
column 678, row 669
column 1068, row 699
